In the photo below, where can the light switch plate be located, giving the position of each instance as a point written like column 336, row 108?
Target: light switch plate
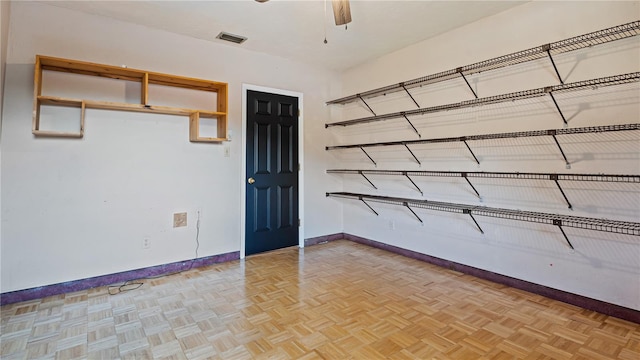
column 179, row 219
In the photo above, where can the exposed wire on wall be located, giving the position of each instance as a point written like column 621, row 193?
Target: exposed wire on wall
column 325, row 21
column 130, row 285
column 197, row 243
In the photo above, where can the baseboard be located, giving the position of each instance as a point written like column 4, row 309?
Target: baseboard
column 584, row 302
column 88, row 283
column 566, row 297
column 323, row 239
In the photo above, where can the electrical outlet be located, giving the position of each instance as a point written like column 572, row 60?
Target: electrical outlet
column 179, row 219
column 146, row 243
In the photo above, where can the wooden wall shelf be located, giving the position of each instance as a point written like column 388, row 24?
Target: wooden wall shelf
column 144, row 78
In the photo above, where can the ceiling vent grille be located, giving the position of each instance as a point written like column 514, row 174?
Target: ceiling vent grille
column 236, row 39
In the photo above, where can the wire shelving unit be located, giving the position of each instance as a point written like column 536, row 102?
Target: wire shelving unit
column 606, row 225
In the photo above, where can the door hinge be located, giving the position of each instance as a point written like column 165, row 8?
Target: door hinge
column 298, row 166
column 298, row 112
column 298, row 222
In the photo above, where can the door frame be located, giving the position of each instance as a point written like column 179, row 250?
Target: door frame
column 243, row 167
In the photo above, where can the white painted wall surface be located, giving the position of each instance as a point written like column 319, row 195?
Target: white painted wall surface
column 74, row 209
column 603, row 266
column 5, row 8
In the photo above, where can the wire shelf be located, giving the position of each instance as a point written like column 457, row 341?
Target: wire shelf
column 551, row 132
column 612, row 226
column 519, row 95
column 575, row 43
column 497, row 175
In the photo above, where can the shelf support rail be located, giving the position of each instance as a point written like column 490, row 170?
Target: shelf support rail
column 414, row 184
column 370, row 158
column 558, row 223
column 547, row 49
column 459, row 70
column 464, row 140
column 410, row 123
column 367, row 105
column 412, row 154
column 413, row 212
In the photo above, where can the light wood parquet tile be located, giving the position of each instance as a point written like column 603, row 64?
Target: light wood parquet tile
column 339, row 300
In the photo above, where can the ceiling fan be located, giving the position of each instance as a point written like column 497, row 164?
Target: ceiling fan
column 341, row 11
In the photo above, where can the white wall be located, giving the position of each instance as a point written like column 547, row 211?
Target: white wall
column 75, row 209
column 5, row 8
column 603, row 266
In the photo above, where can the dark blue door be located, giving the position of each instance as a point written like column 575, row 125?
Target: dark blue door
column 272, row 172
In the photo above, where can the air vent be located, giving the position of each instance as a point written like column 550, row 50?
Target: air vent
column 237, row 39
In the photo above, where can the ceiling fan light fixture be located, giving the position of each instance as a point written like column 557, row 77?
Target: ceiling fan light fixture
column 341, row 12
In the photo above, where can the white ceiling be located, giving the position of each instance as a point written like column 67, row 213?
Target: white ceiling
column 295, row 29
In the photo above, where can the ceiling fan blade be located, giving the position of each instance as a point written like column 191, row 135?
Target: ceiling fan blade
column 341, row 12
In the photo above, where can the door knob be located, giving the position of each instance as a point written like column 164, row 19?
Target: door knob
column 251, row 180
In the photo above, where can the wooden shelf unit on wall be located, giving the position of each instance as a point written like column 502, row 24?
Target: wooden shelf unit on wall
column 144, row 78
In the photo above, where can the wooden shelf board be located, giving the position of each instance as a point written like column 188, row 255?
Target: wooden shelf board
column 56, row 134
column 110, row 75
column 123, row 73
column 54, row 100
column 91, row 104
column 87, row 68
column 211, row 114
column 93, row 69
column 185, row 82
column 208, row 139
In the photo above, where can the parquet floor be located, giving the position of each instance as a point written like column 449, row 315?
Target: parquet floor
column 339, row 300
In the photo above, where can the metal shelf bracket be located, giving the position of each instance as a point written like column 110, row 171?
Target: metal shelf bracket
column 366, row 178
column 410, row 123
column 369, row 206
column 547, row 49
column 367, row 105
column 459, row 70
column 554, row 177
column 412, row 154
column 370, row 158
column 468, row 211
column 558, row 223
column 414, row 184
column 549, row 89
column 413, row 212
column 408, row 93
column 464, row 175
column 464, row 140
column 553, row 135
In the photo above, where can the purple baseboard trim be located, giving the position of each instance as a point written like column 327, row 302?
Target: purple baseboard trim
column 555, row 294
column 83, row 284
column 323, row 239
